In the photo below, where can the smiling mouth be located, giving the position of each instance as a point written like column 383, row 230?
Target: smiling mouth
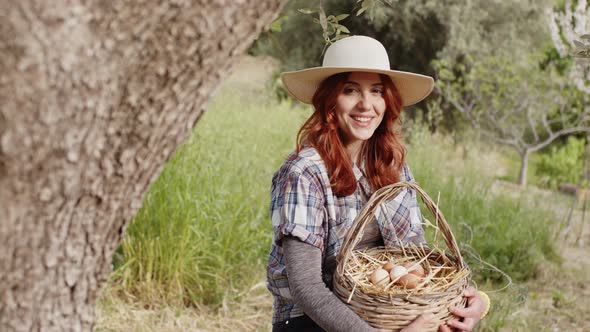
column 362, row 119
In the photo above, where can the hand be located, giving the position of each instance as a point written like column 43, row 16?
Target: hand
column 418, row 324
column 476, row 305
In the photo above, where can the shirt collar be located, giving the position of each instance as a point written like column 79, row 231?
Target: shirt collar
column 358, row 173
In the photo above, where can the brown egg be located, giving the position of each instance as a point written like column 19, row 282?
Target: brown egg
column 388, row 266
column 409, row 281
column 417, row 270
column 380, row 277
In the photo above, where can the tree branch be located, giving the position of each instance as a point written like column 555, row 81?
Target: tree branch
column 562, row 132
column 511, row 142
column 532, row 124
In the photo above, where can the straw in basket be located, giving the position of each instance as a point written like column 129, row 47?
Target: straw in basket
column 393, row 307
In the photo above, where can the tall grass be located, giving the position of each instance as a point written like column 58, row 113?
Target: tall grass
column 203, row 231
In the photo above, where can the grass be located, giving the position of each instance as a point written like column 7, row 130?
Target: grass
column 249, row 314
column 203, row 228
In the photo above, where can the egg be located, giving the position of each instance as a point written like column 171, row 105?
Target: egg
column 417, row 269
column 409, row 281
column 380, row 277
column 388, row 266
column 397, row 272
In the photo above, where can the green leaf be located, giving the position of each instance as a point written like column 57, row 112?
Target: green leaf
column 368, row 3
column 360, row 11
column 342, row 28
column 275, row 26
column 343, row 16
column 306, row 11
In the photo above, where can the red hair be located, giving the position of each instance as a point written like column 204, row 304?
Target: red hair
column 384, row 153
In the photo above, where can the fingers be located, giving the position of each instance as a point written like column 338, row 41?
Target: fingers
column 466, row 325
column 476, row 305
column 470, row 311
column 470, row 292
column 444, row 328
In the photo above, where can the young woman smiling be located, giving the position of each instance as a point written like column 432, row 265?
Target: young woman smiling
column 348, row 148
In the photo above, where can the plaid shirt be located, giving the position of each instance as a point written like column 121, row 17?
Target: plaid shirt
column 304, row 206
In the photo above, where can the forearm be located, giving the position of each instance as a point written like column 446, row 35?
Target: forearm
column 308, row 289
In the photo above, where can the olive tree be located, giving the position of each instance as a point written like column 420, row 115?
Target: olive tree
column 94, row 98
column 514, row 104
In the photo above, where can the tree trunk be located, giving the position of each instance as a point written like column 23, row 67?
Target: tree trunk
column 94, row 97
column 524, row 165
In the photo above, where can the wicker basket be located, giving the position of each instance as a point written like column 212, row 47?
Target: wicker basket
column 391, row 311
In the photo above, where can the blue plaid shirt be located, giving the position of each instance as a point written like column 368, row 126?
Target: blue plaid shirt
column 304, row 206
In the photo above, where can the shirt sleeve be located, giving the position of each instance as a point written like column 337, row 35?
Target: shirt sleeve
column 399, row 218
column 297, row 209
column 304, row 267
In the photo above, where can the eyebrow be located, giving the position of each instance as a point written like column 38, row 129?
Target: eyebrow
column 355, row 83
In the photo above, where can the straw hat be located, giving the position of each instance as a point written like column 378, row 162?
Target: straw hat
column 356, row 53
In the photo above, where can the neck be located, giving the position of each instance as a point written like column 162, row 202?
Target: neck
column 354, row 150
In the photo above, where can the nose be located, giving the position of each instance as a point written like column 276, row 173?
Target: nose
column 365, row 102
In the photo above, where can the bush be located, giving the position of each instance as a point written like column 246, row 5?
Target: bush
column 562, row 163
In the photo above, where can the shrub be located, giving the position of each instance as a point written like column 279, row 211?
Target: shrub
column 561, row 163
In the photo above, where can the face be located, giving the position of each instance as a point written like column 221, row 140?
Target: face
column 360, row 107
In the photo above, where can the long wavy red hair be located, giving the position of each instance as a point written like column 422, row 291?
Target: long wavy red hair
column 384, row 153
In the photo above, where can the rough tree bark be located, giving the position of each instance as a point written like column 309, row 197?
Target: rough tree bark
column 94, row 98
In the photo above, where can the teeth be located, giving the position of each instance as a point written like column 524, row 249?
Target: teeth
column 361, row 119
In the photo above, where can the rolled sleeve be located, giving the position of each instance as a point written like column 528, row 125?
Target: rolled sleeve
column 298, row 210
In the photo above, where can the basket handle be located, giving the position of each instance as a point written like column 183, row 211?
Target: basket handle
column 366, row 215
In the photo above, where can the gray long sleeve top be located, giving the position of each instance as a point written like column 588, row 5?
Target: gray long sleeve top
column 304, row 269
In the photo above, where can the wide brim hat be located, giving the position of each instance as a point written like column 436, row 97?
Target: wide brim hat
column 356, row 53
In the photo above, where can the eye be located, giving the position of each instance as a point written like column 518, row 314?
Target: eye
column 377, row 91
column 349, row 90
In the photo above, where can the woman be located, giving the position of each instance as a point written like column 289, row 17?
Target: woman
column 346, row 150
